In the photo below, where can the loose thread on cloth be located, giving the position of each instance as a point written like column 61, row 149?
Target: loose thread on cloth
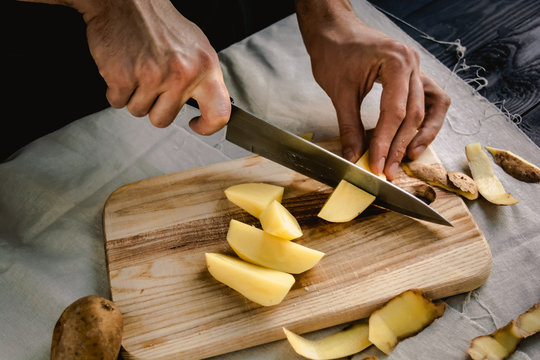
column 476, row 80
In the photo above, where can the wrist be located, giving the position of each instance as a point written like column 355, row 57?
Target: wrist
column 316, row 17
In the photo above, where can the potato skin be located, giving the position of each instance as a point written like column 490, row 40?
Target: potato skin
column 89, row 328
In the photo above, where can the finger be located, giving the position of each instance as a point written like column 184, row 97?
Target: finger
column 166, row 107
column 214, row 104
column 351, row 129
column 409, row 126
column 141, row 101
column 393, row 109
column 437, row 104
column 119, row 92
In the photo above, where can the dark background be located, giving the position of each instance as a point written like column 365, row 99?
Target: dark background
column 52, row 79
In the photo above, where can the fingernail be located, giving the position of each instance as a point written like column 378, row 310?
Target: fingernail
column 418, row 150
column 380, row 166
column 392, row 170
column 348, row 154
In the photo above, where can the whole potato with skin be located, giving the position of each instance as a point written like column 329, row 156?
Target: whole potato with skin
column 90, row 328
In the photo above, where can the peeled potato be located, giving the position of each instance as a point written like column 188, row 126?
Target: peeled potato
column 488, row 184
column 528, row 323
column 278, row 221
column 89, row 328
column 264, row 286
column 344, row 343
column 254, row 197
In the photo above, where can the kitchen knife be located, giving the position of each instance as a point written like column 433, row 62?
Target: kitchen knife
column 305, row 157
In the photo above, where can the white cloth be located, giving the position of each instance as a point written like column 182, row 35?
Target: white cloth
column 52, row 194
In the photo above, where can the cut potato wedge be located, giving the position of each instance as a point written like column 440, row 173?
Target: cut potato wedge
column 528, row 323
column 403, row 316
column 266, row 287
column 344, row 343
column 488, row 184
column 258, row 247
column 347, row 201
column 278, row 221
column 497, row 346
column 515, row 165
column 254, row 197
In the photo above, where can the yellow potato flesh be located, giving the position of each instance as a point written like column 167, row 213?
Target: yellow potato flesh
column 348, row 201
column 344, row 343
column 254, row 197
column 258, row 247
column 345, row 203
column 499, row 345
column 278, row 221
column 266, row 287
column 488, row 184
column 403, row 316
column 528, row 323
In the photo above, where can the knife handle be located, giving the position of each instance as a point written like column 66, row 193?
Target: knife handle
column 195, row 104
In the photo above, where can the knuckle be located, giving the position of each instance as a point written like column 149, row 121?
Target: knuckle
column 416, row 114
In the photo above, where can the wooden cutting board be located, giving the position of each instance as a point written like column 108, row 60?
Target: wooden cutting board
column 157, row 232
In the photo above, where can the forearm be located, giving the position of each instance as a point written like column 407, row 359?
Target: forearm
column 313, row 14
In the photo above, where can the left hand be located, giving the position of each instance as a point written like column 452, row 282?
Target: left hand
column 347, row 57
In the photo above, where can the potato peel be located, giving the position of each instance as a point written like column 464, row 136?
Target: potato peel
column 515, row 165
column 488, row 184
column 347, row 342
column 496, row 346
column 528, row 323
column 435, row 175
column 403, row 316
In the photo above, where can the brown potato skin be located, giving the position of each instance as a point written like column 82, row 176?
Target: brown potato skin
column 89, row 328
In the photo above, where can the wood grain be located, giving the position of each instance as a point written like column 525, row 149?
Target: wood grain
column 157, row 231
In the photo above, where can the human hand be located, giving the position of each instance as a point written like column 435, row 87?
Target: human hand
column 153, row 60
column 347, row 58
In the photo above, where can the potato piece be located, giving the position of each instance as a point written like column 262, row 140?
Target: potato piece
column 344, row 343
column 258, row 247
column 363, row 162
column 89, row 328
column 496, row 346
column 515, row 165
column 264, row 286
column 488, row 184
column 345, row 203
column 403, row 316
column 278, row 221
column 307, row 136
column 528, row 323
column 435, row 175
column 254, row 197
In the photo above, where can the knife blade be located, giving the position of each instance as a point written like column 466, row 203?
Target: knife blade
column 292, row 151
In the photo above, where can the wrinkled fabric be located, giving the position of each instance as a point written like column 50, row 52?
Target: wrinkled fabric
column 52, row 194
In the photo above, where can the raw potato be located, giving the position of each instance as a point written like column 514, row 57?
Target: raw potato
column 344, row 343
column 264, row 286
column 347, row 201
column 89, row 328
column 435, row 175
column 278, row 221
column 488, row 184
column 403, row 316
column 497, row 346
column 254, row 197
column 528, row 323
column 515, row 165
column 258, row 247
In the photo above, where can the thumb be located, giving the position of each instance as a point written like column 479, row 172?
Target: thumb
column 215, row 106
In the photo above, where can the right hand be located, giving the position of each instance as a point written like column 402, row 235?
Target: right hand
column 153, row 60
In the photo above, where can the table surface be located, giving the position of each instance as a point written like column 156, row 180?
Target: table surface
column 501, row 37
column 52, row 194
